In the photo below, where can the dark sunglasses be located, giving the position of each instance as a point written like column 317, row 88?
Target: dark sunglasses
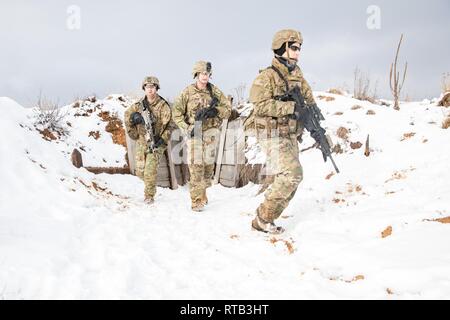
column 294, row 48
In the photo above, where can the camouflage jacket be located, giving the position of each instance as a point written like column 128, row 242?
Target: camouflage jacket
column 191, row 100
column 269, row 85
column 160, row 114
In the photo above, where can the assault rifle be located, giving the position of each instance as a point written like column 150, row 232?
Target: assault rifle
column 310, row 116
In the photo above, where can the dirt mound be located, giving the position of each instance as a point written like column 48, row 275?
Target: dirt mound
column 115, row 127
column 47, row 135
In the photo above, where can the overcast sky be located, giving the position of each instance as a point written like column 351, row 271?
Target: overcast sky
column 120, row 42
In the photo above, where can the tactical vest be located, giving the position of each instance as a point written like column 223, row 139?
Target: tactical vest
column 267, row 127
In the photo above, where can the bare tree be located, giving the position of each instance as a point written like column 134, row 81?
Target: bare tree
column 239, row 94
column 394, row 78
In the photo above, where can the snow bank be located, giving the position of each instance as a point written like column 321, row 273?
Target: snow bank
column 66, row 233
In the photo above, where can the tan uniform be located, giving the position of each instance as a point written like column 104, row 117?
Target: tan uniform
column 146, row 162
column 201, row 150
column 277, row 135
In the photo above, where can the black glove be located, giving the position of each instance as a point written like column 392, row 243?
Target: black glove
column 159, row 141
column 211, row 113
column 207, row 113
column 200, row 114
column 136, row 118
column 285, row 97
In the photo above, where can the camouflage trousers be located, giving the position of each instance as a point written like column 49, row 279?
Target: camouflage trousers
column 282, row 162
column 147, row 168
column 201, row 155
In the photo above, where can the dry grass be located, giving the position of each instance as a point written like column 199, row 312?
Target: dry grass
column 335, row 91
column 370, row 112
column 326, row 98
column 356, row 107
column 362, row 86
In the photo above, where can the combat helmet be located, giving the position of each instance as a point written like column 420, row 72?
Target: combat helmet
column 286, row 35
column 201, row 66
column 150, row 80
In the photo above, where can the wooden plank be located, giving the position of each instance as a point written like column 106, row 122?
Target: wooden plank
column 220, row 153
column 110, row 170
column 173, row 177
column 228, row 175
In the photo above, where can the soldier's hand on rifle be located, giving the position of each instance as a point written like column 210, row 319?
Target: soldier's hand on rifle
column 299, row 113
column 211, row 113
column 136, row 118
column 199, row 115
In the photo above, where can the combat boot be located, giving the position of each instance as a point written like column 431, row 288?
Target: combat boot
column 197, row 205
column 266, row 227
column 204, row 198
column 149, row 200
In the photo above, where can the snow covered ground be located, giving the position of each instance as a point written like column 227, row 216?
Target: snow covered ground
column 368, row 232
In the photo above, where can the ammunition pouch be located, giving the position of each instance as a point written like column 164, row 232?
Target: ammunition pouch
column 267, row 127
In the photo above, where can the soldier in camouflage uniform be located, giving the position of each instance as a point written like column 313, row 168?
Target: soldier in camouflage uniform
column 277, row 128
column 160, row 115
column 195, row 102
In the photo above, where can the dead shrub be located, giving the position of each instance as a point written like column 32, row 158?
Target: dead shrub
column 49, row 118
column 362, row 86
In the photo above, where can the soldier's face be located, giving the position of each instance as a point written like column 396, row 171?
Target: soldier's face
column 203, row 77
column 150, row 89
column 294, row 51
